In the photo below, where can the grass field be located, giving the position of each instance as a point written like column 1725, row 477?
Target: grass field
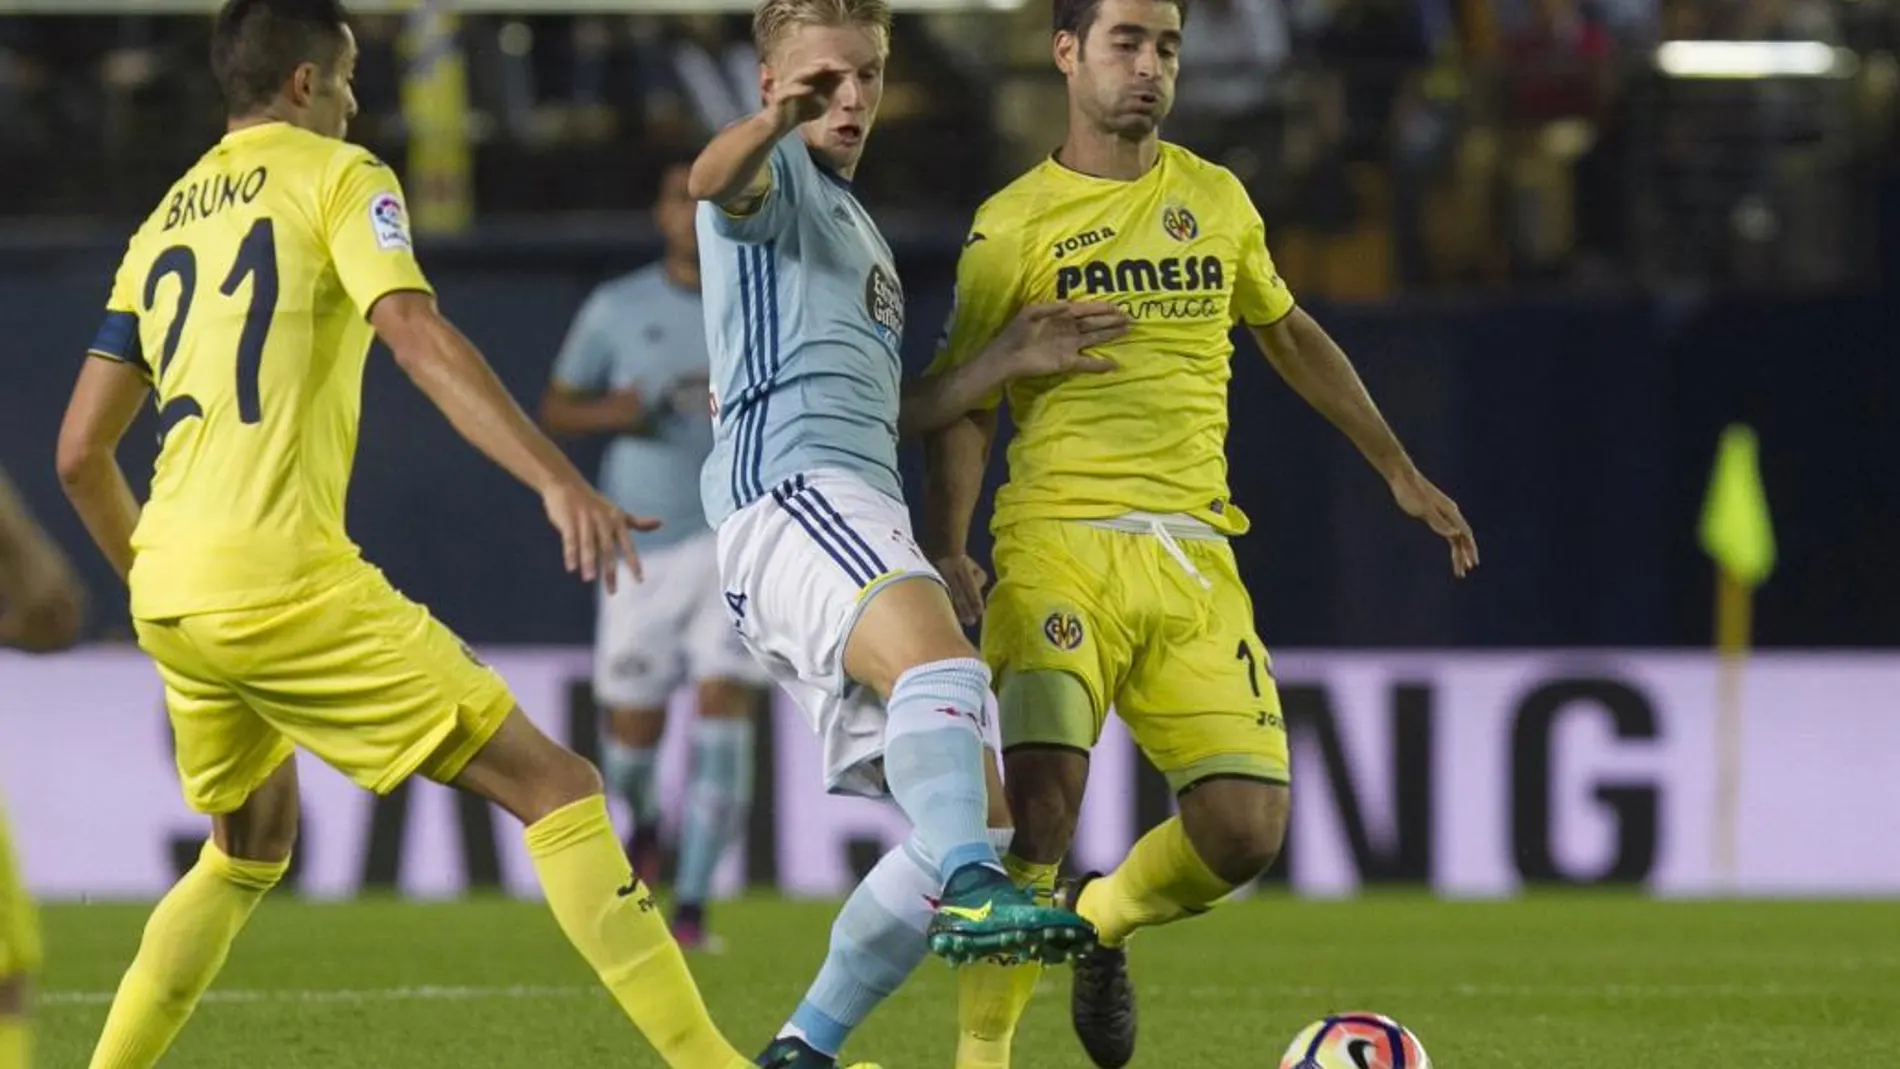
column 1565, row 980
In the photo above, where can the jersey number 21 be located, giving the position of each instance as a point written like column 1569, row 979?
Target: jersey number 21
column 257, row 261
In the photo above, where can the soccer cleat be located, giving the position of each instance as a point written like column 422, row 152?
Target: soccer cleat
column 984, row 916
column 789, row 1052
column 1101, row 996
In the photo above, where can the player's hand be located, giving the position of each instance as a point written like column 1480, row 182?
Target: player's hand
column 1049, row 339
column 806, row 95
column 595, row 534
column 629, row 412
column 1423, row 501
column 45, row 616
column 966, row 581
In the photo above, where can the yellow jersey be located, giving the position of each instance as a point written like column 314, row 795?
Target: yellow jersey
column 1183, row 250
column 244, row 300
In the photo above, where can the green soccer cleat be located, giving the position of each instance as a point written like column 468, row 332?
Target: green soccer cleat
column 984, row 916
column 789, row 1053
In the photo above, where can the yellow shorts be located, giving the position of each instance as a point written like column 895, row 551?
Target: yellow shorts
column 358, row 675
column 19, row 925
column 1180, row 662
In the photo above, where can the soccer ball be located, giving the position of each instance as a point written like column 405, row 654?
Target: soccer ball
column 1356, row 1041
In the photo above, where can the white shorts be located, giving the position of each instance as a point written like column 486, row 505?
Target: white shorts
column 653, row 636
column 799, row 565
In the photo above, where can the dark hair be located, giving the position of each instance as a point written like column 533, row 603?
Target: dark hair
column 257, row 44
column 1076, row 16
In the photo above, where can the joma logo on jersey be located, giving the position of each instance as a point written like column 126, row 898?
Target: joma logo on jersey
column 1175, row 274
column 209, row 196
column 1081, row 241
column 1063, row 630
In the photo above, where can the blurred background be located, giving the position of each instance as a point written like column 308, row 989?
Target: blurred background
column 1567, row 242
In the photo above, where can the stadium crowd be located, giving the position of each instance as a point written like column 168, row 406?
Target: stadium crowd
column 1394, row 145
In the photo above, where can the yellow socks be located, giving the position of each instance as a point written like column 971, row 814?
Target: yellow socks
column 185, row 944
column 1162, row 879
column 16, row 1041
column 992, row 998
column 610, row 917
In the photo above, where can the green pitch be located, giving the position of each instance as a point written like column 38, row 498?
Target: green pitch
column 1571, row 981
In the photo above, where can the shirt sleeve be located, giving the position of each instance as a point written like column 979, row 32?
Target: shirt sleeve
column 988, row 295
column 366, row 222
column 786, row 170
column 118, row 335
column 586, row 356
column 1261, row 296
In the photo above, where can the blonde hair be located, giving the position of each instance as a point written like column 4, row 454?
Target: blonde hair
column 776, row 19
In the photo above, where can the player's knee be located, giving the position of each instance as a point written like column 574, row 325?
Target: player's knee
column 906, row 625
column 1242, row 854
column 726, row 699
column 568, row 779
column 1240, row 836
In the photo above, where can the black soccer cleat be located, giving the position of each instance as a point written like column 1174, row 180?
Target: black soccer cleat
column 1101, row 995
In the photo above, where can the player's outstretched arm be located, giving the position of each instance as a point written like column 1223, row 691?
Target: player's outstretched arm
column 955, row 457
column 447, row 367
column 1318, row 370
column 41, row 603
column 1043, row 339
column 731, row 171
column 105, row 401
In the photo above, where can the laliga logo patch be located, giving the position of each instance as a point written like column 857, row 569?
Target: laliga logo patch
column 1180, row 223
column 884, row 303
column 1063, row 630
column 390, row 222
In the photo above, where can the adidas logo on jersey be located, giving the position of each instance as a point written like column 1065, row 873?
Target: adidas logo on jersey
column 1078, row 242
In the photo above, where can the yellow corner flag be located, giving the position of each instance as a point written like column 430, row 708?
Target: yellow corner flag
column 1737, row 534
column 1736, row 531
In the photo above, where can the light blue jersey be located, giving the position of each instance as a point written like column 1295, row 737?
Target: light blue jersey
column 643, row 332
column 804, row 318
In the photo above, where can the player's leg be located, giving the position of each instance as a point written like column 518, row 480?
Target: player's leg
column 877, row 941
column 1201, row 703
column 601, row 905
column 1048, row 725
column 1057, row 645
column 731, row 686
column 236, row 767
column 825, row 576
column 909, row 648
column 637, row 664
column 375, row 686
column 19, row 959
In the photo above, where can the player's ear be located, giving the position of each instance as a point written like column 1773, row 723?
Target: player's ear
column 304, row 83
column 1067, row 48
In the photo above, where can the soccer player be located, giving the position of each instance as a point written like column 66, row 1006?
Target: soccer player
column 634, row 367
column 1115, row 582
column 805, row 316
column 247, row 302
column 40, row 610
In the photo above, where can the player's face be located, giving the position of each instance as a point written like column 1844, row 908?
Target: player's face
column 838, row 136
column 674, row 213
column 1121, row 75
column 332, row 96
